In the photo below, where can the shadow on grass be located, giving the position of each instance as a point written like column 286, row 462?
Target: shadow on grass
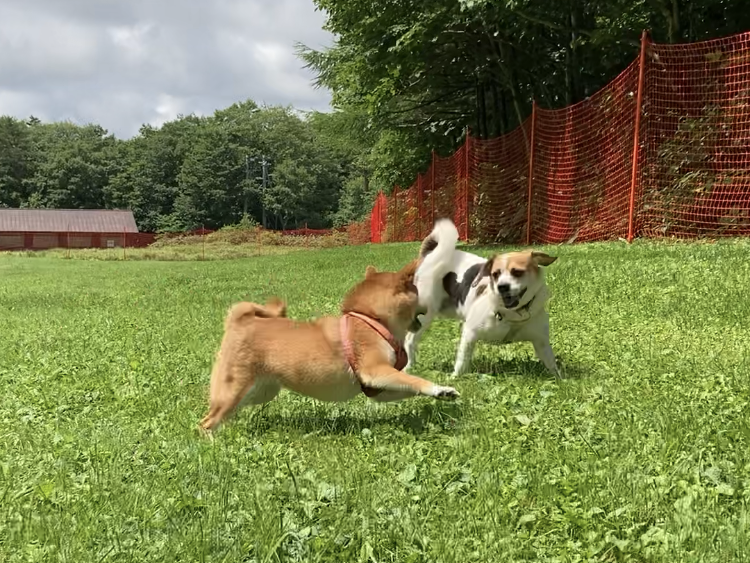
column 520, row 367
column 441, row 416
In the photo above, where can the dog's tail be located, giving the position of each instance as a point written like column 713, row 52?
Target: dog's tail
column 440, row 243
column 245, row 310
column 435, row 258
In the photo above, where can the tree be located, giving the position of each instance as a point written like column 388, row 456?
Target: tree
column 73, row 165
column 146, row 179
column 16, row 161
column 434, row 68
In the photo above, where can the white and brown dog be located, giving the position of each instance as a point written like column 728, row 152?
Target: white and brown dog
column 500, row 299
column 330, row 359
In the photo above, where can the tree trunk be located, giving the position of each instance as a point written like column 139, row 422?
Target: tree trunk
column 505, row 71
column 568, row 76
column 505, row 56
column 497, row 125
column 574, row 67
column 503, row 112
column 670, row 9
column 482, row 117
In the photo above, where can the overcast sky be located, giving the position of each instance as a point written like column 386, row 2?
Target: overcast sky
column 121, row 63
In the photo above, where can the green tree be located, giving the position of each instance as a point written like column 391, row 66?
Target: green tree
column 433, row 68
column 73, row 165
column 16, row 161
column 149, row 164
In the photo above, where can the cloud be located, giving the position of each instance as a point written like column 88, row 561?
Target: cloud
column 122, row 63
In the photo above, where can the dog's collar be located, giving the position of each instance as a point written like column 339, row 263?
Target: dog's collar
column 526, row 307
column 346, row 342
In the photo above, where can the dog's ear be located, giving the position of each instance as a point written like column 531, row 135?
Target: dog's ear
column 370, row 271
column 542, row 259
column 407, row 274
column 410, row 269
column 485, row 271
column 276, row 306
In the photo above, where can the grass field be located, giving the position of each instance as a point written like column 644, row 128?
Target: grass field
column 174, row 252
column 641, row 454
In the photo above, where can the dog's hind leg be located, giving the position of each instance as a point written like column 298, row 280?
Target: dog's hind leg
column 411, row 342
column 233, row 392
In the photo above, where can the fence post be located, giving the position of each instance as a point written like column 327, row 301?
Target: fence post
column 375, row 220
column 531, row 173
column 395, row 214
column 467, row 153
column 419, row 206
column 432, row 190
column 636, row 134
column 383, row 217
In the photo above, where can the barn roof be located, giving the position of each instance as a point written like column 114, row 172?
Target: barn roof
column 67, row 220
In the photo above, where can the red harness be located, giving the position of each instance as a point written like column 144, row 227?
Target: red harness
column 351, row 360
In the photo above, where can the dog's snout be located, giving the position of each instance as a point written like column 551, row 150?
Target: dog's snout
column 503, row 287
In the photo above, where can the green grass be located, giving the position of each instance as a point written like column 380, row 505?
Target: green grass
column 641, row 454
column 164, row 252
column 228, row 244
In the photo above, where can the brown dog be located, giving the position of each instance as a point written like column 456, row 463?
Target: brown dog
column 330, row 359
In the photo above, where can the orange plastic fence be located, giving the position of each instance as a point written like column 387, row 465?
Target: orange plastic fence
column 663, row 150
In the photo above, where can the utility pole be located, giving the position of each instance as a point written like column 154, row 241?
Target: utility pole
column 264, row 164
column 247, row 184
column 265, row 178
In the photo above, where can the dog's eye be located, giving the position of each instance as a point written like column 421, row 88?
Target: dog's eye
column 516, row 273
column 496, row 275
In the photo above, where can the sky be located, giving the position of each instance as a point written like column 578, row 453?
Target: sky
column 122, row 63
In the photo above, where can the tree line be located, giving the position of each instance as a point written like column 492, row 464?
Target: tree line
column 406, row 77
column 190, row 172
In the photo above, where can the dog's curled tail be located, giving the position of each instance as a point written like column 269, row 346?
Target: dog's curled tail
column 435, row 258
column 442, row 240
column 439, row 245
column 444, row 235
column 245, row 310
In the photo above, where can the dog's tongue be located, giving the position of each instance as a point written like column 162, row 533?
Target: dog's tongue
column 510, row 302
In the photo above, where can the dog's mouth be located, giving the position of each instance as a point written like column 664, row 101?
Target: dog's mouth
column 511, row 301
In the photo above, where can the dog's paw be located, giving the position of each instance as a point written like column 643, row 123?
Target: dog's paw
column 447, row 393
column 206, row 433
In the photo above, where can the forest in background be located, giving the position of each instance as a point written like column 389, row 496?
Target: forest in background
column 406, row 77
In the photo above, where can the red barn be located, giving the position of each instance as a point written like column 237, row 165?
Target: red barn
column 37, row 229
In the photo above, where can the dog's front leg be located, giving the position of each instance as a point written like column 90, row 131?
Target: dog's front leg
column 465, row 350
column 410, row 345
column 545, row 354
column 385, row 383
